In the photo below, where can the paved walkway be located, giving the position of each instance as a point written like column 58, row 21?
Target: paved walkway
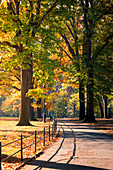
column 79, row 147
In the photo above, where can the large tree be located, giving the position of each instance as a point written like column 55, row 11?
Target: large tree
column 23, row 26
column 20, row 24
column 75, row 51
column 93, row 14
column 92, row 31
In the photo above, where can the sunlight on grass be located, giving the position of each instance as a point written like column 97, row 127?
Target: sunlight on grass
column 11, row 126
column 9, row 132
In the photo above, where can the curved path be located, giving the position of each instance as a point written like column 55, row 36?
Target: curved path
column 79, row 147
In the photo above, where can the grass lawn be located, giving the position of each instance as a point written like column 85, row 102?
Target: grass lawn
column 10, row 132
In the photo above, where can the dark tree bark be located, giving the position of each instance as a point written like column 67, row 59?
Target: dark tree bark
column 30, row 86
column 25, row 84
column 24, row 109
column 82, row 101
column 31, row 110
column 38, row 113
column 90, row 107
column 90, row 83
column 74, row 110
column 109, row 114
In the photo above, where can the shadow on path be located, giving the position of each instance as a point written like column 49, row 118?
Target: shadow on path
column 62, row 166
column 74, row 150
column 59, row 146
column 66, row 166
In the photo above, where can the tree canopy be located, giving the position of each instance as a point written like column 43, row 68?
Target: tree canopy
column 39, row 37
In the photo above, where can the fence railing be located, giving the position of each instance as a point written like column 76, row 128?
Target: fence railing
column 47, row 133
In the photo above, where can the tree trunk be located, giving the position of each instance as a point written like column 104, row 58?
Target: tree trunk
column 87, row 36
column 38, row 113
column 31, row 111
column 105, row 106
column 109, row 111
column 30, row 86
column 101, row 109
column 24, row 109
column 81, row 101
column 90, row 107
column 74, row 110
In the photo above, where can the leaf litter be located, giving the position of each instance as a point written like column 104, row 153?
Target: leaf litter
column 9, row 132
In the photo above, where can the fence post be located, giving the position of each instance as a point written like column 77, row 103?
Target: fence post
column 44, row 137
column 52, row 131
column 21, row 148
column 35, row 141
column 0, row 156
column 49, row 132
column 55, row 125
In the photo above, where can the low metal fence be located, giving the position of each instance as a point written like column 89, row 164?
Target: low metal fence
column 47, row 133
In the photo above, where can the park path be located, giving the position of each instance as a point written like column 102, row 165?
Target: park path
column 79, row 147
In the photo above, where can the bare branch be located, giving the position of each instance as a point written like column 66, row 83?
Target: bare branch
column 17, row 6
column 103, row 46
column 38, row 9
column 68, row 45
column 17, row 78
column 9, row 44
column 11, row 86
column 74, row 28
column 16, row 88
column 70, row 30
column 11, row 7
column 3, row 31
column 49, row 10
column 32, row 15
column 105, row 12
column 65, row 52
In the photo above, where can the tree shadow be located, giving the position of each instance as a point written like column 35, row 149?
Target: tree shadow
column 10, row 159
column 53, row 165
column 66, row 134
